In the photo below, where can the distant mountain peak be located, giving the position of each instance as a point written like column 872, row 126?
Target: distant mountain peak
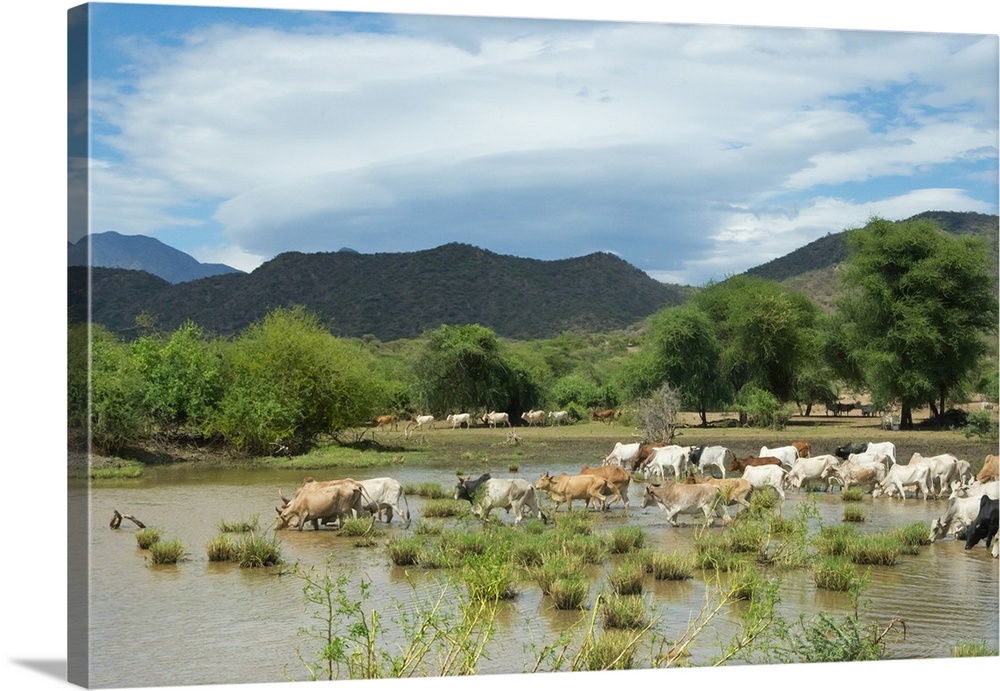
column 115, row 250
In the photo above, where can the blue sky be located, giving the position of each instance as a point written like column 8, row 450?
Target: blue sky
column 691, row 151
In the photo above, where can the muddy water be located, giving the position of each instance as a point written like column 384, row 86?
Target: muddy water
column 199, row 622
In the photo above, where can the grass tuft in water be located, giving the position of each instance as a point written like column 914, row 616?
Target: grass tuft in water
column 147, row 537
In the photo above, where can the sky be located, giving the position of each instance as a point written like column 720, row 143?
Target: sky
column 691, row 151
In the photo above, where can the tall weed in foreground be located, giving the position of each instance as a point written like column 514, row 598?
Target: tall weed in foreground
column 442, row 635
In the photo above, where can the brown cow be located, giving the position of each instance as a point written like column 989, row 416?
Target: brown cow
column 564, row 488
column 644, row 454
column 802, row 447
column 321, row 501
column 607, row 415
column 738, row 465
column 614, row 474
column 734, row 490
column 383, row 420
column 989, row 469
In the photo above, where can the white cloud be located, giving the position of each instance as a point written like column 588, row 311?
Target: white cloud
column 540, row 138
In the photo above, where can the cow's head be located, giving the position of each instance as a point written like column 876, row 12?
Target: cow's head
column 648, row 498
column 462, row 489
column 286, row 519
column 545, row 482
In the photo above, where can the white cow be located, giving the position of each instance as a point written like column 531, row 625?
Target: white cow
column 807, row 470
column 718, row 456
column 534, row 417
column 421, row 420
column 978, row 489
column 673, row 457
column 516, row 494
column 459, row 419
column 676, row 498
column 559, row 417
column 883, row 447
column 899, row 475
column 961, row 513
column 760, row 476
column 622, row 454
column 856, row 471
column 493, row 419
column 943, row 470
column 386, row 495
column 785, row 454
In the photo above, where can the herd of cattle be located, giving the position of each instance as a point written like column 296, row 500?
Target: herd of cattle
column 681, row 480
column 490, row 419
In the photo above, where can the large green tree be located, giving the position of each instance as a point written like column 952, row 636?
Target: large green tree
column 766, row 331
column 466, row 368
column 680, row 348
column 916, row 302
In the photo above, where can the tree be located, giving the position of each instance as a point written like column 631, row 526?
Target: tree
column 681, row 349
column 288, row 380
column 767, row 332
column 915, row 305
column 464, row 368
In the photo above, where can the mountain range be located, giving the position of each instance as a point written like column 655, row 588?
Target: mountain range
column 401, row 295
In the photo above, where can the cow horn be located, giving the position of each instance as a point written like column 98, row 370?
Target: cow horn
column 284, row 502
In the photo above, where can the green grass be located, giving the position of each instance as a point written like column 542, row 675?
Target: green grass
column 570, row 592
column 629, row 538
column 241, row 525
column 852, row 494
column 166, row 551
column 624, row 612
column 627, row 578
column 973, row 648
column 854, row 514
column 671, row 567
column 609, row 650
column 147, row 537
column 446, row 508
column 257, row 551
column 405, row 551
column 834, row 573
column 221, row 548
column 879, row 549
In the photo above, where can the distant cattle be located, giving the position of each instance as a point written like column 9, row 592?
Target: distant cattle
column 459, row 419
column 534, row 417
column 608, row 415
column 785, row 454
column 866, row 410
column 706, row 457
column 386, row 420
column 619, row 477
column 985, row 525
column 560, row 417
column 857, row 471
column 565, row 489
column 771, row 475
column 676, row 498
column 961, row 513
column 808, row 470
column 989, row 470
column 898, row 476
column 419, row 422
column 838, row 408
column 738, row 465
column 622, row 454
column 673, row 457
column 493, row 419
column 321, row 502
column 735, row 490
column 384, row 495
column 516, row 495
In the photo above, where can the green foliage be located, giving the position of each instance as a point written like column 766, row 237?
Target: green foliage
column 981, row 424
column 576, row 390
column 288, row 381
column 916, row 302
column 166, row 551
column 973, row 648
column 761, row 408
column 182, row 374
column 117, row 394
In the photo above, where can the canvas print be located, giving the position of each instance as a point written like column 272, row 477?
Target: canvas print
column 412, row 346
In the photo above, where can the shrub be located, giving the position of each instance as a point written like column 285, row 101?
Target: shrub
column 626, row 578
column 671, row 567
column 570, row 592
column 404, row 551
column 239, row 526
column 445, row 508
column 221, row 548
column 147, row 537
column 623, row 612
column 746, row 582
column 257, row 551
column 166, row 551
column 854, row 514
column 555, row 566
column 977, row 648
column 610, row 650
column 489, row 576
column 834, row 573
column 982, row 425
column 852, row 494
column 835, row 540
column 626, row 539
column 761, row 408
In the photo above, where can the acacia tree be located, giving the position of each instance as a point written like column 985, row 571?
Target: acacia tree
column 681, row 349
column 767, row 332
column 915, row 305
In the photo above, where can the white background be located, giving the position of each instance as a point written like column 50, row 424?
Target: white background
column 33, row 325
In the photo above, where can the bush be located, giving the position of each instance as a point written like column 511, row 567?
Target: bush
column 623, row 612
column 626, row 539
column 671, row 567
column 256, row 551
column 627, row 577
column 610, row 650
column 221, row 548
column 854, row 514
column 166, row 551
column 147, row 537
column 982, row 425
column 761, row 409
column 852, row 494
column 834, row 573
column 404, row 551
column 570, row 592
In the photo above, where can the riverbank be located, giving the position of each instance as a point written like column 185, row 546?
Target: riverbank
column 483, row 449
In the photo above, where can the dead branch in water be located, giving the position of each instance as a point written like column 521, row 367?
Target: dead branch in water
column 116, row 520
